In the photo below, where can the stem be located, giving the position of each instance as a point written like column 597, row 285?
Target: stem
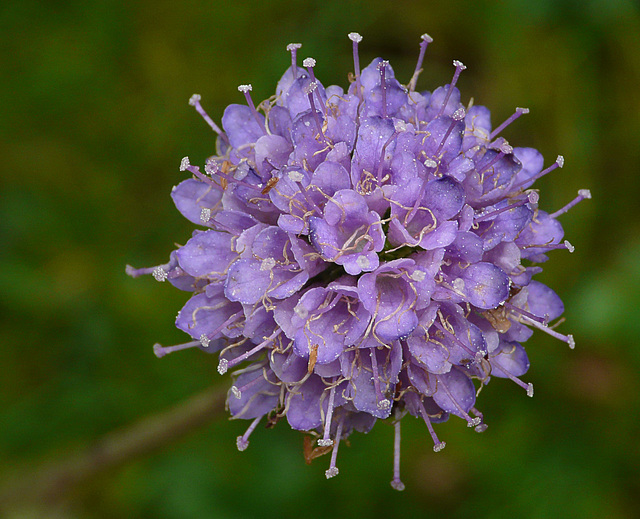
column 43, row 487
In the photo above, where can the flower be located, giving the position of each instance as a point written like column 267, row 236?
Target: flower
column 362, row 254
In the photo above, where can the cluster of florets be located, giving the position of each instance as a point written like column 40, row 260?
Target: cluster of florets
column 364, row 254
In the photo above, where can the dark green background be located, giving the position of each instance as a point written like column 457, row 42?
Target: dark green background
column 93, row 123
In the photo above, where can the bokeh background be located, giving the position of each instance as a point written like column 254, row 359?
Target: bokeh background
column 93, row 123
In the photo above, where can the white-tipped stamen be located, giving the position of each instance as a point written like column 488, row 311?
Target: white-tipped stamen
column 383, row 403
column 568, row 245
column 557, row 164
column 204, row 341
column 546, row 329
column 425, row 40
column 583, row 194
column 293, row 49
column 325, row 441
column 382, row 67
column 245, row 89
column 528, row 387
column 518, row 113
column 531, row 198
column 223, row 366
column 236, row 392
column 160, row 351
column 356, row 38
column 459, row 68
column 333, row 471
column 194, row 101
column 242, row 442
column 437, row 444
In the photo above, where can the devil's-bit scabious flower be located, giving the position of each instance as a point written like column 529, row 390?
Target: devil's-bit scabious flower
column 366, row 253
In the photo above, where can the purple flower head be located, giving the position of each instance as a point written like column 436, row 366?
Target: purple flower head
column 364, row 253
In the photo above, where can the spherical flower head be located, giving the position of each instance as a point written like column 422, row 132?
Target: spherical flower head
column 360, row 254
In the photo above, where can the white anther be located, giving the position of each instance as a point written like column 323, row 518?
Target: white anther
column 158, row 350
column 399, row 125
column 481, row 428
column 571, row 341
column 205, row 214
column 309, row 62
column 223, row 366
column 474, row 422
column 354, row 36
column 267, row 264
column 584, row 193
column 363, row 262
column 204, row 340
column 533, row 197
column 384, row 404
column 522, row 110
column 241, row 443
column 159, row 274
column 245, row 88
column 430, row 163
column 184, row 164
column 384, row 63
column 459, row 64
column 459, row 114
column 333, row 471
column 568, row 245
column 439, row 446
column 194, row 99
column 418, row 275
column 296, row 176
column 294, row 46
column 506, row 148
column 311, row 87
column 530, row 389
column 236, row 392
column 325, row 443
column 426, row 37
column 560, row 161
column 211, row 167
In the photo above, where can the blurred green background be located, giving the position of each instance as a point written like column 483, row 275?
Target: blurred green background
column 93, row 123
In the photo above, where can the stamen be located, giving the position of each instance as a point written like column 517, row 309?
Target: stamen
column 333, row 470
column 527, row 387
column 455, row 119
column 396, row 482
column 237, row 391
column 356, row 38
column 532, row 198
column 426, row 40
column 325, row 441
column 155, row 271
column 557, row 164
column 481, row 427
column 582, row 195
column 437, row 444
column 242, row 442
column 471, row 422
column 518, row 113
column 245, row 89
column 505, row 149
column 310, row 89
column 546, row 329
column 384, row 150
column 195, row 102
column 293, row 48
column 382, row 67
column 160, row 351
column 520, row 311
column 204, row 341
column 225, row 364
column 459, row 68
column 552, row 246
column 383, row 403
